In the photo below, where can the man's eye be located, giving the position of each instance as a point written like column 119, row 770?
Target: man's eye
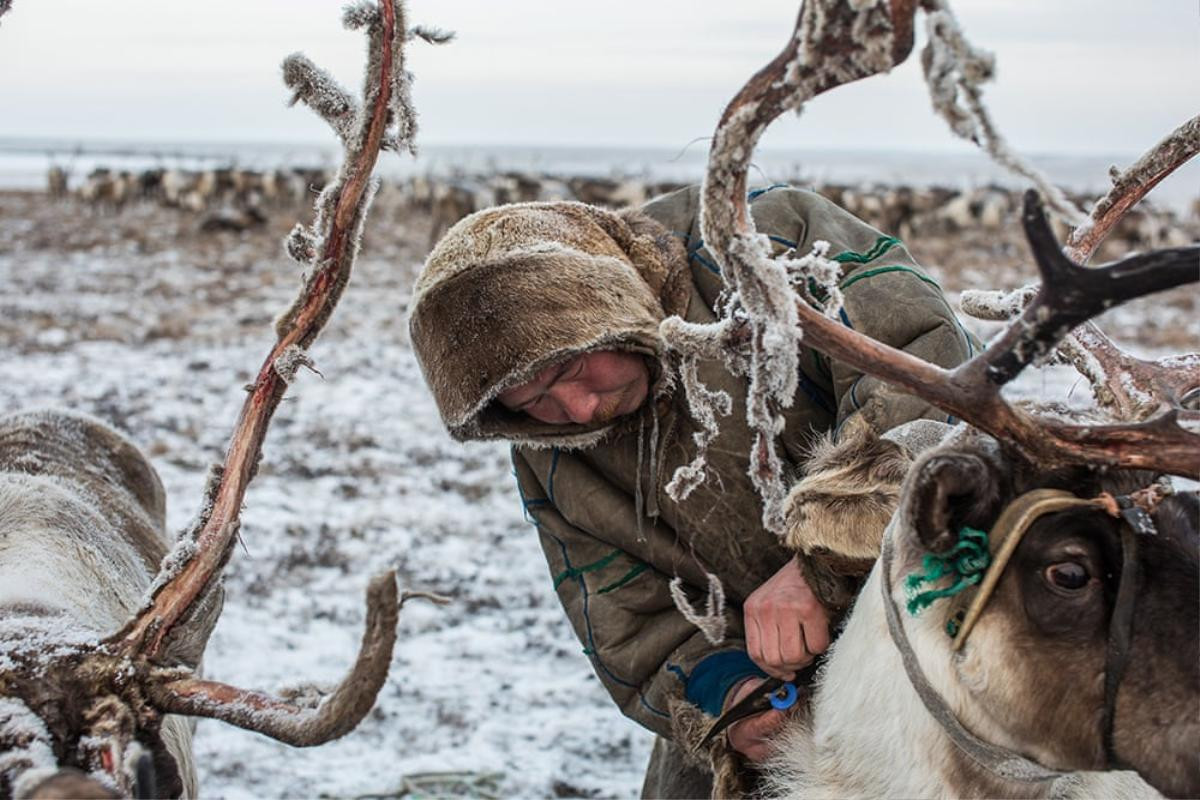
column 575, row 371
column 542, row 405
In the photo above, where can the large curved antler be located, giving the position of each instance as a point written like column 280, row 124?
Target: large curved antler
column 130, row 674
column 332, row 246
column 833, row 44
column 825, row 50
column 288, row 721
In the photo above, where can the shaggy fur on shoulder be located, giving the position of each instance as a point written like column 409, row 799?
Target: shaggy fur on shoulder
column 513, row 289
column 837, row 513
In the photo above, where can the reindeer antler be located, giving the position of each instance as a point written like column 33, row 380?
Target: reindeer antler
column 832, row 45
column 192, row 571
column 1145, row 387
column 288, row 721
column 1132, row 185
column 340, row 212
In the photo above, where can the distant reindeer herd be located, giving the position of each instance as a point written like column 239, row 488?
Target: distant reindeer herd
column 905, row 211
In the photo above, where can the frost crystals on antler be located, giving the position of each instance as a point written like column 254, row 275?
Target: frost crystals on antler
column 955, row 71
column 832, row 43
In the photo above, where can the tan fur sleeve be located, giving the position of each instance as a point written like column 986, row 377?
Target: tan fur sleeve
column 836, row 514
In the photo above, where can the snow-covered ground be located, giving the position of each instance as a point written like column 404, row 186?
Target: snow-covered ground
column 141, row 320
column 358, row 476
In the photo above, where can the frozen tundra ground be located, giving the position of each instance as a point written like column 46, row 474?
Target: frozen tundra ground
column 142, row 320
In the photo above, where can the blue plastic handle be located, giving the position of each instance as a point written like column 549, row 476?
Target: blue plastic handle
column 785, row 697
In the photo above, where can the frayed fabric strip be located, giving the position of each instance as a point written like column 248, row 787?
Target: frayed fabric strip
column 712, row 622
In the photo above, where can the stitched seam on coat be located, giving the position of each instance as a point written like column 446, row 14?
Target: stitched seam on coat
column 695, row 253
column 954, row 317
column 854, row 392
column 591, row 639
column 587, row 620
column 871, row 273
column 638, row 569
column 575, row 572
column 881, row 246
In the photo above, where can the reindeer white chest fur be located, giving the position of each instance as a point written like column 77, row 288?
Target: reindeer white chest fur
column 868, row 733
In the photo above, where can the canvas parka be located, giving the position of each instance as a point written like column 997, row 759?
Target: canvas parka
column 613, row 538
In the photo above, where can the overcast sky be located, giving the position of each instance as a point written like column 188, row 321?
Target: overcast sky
column 1075, row 76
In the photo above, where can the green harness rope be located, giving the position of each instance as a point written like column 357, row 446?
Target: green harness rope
column 965, row 562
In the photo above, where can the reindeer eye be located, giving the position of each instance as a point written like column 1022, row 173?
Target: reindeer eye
column 1068, row 575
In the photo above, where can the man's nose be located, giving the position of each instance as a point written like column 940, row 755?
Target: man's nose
column 578, row 404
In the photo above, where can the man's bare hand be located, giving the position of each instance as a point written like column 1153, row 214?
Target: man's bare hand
column 786, row 625
column 748, row 736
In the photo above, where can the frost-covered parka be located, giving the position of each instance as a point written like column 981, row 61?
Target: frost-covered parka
column 513, row 289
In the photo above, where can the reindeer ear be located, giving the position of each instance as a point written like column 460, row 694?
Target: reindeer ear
column 950, row 490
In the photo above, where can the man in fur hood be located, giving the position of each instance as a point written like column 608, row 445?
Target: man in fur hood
column 538, row 323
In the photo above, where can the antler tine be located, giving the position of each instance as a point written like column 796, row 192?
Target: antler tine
column 1145, row 387
column 972, row 391
column 1132, row 185
column 289, row 722
column 1071, row 294
column 331, row 247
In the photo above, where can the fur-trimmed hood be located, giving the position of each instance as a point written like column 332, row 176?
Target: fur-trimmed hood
column 513, row 289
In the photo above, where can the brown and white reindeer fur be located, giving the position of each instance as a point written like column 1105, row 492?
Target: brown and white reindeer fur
column 1030, row 677
column 82, row 515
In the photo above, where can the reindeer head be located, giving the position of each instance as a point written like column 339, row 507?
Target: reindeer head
column 1084, row 654
column 1055, row 611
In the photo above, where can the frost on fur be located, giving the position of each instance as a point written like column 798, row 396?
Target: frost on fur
column 302, row 245
column 317, row 89
column 762, row 286
column 26, row 754
column 362, row 14
column 706, row 405
column 5, row 6
column 955, row 71
column 712, row 621
column 815, row 277
column 1124, row 393
column 431, row 34
column 997, row 306
column 290, row 360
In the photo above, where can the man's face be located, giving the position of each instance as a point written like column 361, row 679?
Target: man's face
column 588, row 389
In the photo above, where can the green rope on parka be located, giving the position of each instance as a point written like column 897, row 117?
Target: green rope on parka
column 965, row 562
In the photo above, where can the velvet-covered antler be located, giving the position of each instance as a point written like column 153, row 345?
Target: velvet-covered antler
column 340, row 213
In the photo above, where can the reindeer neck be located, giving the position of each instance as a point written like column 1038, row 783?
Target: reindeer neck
column 871, row 735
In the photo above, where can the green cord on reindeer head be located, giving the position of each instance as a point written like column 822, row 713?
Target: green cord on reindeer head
column 965, row 562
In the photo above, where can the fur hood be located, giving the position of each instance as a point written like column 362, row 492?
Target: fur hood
column 511, row 290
